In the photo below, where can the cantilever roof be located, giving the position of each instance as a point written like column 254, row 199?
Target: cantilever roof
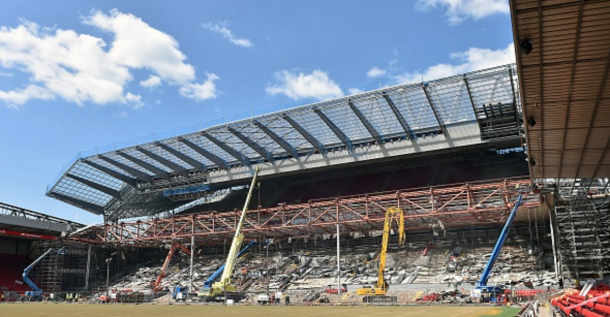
column 565, row 89
column 129, row 182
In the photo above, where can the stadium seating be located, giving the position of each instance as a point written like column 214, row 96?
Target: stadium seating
column 12, row 267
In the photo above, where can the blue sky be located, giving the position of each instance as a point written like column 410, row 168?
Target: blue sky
column 76, row 75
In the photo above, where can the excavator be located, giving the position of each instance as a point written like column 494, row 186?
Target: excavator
column 156, row 285
column 377, row 294
column 223, row 290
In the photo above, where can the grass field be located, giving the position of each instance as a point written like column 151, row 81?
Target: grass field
column 75, row 310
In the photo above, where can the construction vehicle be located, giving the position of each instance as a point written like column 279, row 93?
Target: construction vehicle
column 36, row 293
column 223, row 290
column 156, row 285
column 481, row 288
column 180, row 293
column 208, row 283
column 379, row 291
column 330, row 289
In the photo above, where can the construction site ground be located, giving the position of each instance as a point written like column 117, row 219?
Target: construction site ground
column 77, row 310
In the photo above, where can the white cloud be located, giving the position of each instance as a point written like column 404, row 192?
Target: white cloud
column 221, row 28
column 204, row 91
column 471, row 60
column 376, row 72
column 355, row 91
column 295, row 85
column 5, row 74
column 134, row 100
column 81, row 68
column 152, row 82
column 459, row 10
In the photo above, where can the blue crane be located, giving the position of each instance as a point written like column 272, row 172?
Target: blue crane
column 482, row 283
column 36, row 292
column 208, row 283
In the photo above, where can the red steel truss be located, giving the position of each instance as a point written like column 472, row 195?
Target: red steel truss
column 458, row 205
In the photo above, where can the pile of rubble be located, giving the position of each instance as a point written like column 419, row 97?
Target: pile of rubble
column 306, row 273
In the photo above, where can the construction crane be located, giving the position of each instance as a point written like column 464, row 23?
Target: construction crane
column 482, row 287
column 36, row 293
column 208, row 283
column 156, row 285
column 378, row 293
column 223, row 289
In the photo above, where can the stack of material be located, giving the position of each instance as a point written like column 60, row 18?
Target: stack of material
column 450, row 262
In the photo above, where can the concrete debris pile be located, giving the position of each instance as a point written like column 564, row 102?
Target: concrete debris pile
column 451, row 262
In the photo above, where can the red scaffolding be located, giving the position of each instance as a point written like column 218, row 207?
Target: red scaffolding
column 451, row 206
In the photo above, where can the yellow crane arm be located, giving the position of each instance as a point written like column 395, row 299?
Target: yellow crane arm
column 225, row 279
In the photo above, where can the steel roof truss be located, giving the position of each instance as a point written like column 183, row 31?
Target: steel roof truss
column 138, row 174
column 124, row 178
column 310, row 138
column 217, row 160
column 112, row 192
column 257, row 148
column 155, row 170
column 399, row 116
column 82, row 204
column 177, row 168
column 334, row 128
column 285, row 145
column 189, row 160
column 233, row 152
column 436, row 115
column 367, row 124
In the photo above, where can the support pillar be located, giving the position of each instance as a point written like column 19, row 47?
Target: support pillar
column 338, row 263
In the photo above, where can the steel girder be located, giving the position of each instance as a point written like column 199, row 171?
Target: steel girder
column 462, row 205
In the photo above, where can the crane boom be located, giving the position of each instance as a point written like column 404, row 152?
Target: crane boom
column 496, row 251
column 221, row 269
column 224, row 284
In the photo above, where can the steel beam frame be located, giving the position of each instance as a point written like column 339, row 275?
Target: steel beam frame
column 257, row 148
column 98, row 210
column 460, row 205
column 310, row 138
column 401, row 119
column 138, row 174
column 334, row 128
column 441, row 125
column 205, row 153
column 367, row 124
column 233, row 152
column 153, row 169
column 175, row 167
column 280, row 141
column 189, row 160
column 112, row 192
column 124, row 178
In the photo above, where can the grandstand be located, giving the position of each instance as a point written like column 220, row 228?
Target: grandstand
column 452, row 152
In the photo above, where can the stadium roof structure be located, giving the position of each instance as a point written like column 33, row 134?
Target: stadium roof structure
column 479, row 108
column 563, row 59
column 24, row 223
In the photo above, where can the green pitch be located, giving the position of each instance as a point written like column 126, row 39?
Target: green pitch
column 78, row 310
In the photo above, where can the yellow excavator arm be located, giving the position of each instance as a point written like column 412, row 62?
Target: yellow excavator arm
column 391, row 214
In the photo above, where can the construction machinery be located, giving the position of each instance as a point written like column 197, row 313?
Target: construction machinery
column 379, row 291
column 482, row 289
column 156, row 285
column 36, row 293
column 223, row 289
column 208, row 283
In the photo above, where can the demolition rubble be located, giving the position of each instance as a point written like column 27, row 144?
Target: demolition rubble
column 412, row 270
